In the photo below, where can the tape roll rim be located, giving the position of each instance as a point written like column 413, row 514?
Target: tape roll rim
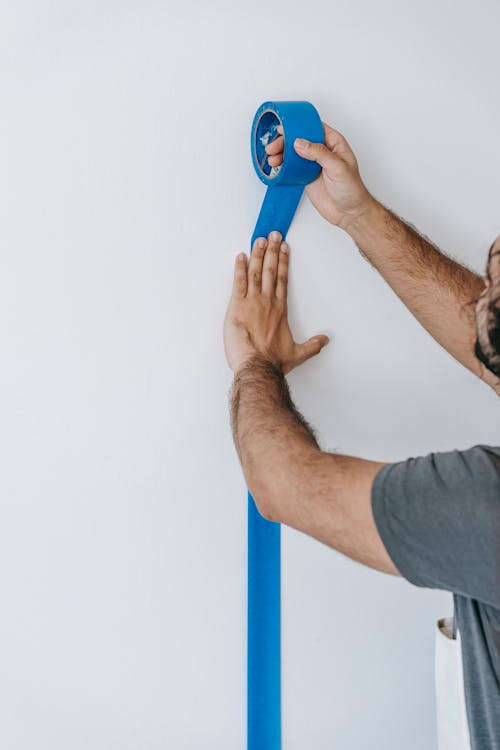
column 298, row 119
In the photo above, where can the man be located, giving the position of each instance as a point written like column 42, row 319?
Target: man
column 435, row 519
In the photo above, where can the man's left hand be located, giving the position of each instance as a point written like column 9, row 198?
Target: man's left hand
column 256, row 321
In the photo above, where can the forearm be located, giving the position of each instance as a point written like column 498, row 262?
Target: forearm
column 438, row 291
column 271, row 436
column 324, row 495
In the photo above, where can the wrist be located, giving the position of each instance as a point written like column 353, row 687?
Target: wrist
column 255, row 360
column 355, row 224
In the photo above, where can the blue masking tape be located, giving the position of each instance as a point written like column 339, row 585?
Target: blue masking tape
column 285, row 186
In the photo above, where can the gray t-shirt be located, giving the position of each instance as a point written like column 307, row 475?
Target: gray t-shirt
column 439, row 518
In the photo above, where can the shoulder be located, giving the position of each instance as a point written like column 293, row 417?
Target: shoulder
column 439, row 518
column 456, row 470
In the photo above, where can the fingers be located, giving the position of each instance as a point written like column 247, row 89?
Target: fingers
column 275, row 152
column 270, row 264
column 334, row 149
column 268, row 267
column 282, row 278
column 315, row 152
column 310, row 348
column 335, row 144
column 276, row 146
column 240, row 283
column 275, row 161
column 255, row 265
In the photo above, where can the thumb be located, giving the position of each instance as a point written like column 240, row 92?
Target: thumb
column 310, row 348
column 315, row 152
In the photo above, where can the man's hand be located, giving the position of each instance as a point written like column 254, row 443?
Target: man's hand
column 256, row 321
column 338, row 193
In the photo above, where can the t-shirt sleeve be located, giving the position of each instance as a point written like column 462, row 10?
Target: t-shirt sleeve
column 439, row 518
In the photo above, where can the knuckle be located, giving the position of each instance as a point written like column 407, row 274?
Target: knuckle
column 256, row 277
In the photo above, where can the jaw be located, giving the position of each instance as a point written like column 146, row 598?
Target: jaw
column 486, row 353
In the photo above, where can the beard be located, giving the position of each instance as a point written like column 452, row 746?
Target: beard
column 492, row 363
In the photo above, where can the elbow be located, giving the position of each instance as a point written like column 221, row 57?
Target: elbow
column 264, row 499
column 270, row 511
column 274, row 490
column 268, row 488
column 277, row 486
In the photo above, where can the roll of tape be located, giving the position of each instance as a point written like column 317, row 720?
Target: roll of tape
column 285, row 186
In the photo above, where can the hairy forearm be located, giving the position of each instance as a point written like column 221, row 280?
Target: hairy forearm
column 324, row 495
column 439, row 291
column 271, row 436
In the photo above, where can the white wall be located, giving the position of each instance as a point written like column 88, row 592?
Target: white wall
column 126, row 188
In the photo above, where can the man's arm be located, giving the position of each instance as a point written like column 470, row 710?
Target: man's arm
column 292, row 481
column 440, row 292
column 290, row 478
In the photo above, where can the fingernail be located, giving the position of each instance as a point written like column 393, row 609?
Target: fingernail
column 242, row 256
column 301, row 143
column 262, row 242
column 276, row 236
column 284, row 247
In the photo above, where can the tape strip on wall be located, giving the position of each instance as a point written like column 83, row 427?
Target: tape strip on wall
column 285, row 185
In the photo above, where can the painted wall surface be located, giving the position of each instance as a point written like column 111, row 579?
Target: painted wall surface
column 126, row 189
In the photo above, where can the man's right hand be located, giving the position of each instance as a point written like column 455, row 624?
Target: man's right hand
column 338, row 192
